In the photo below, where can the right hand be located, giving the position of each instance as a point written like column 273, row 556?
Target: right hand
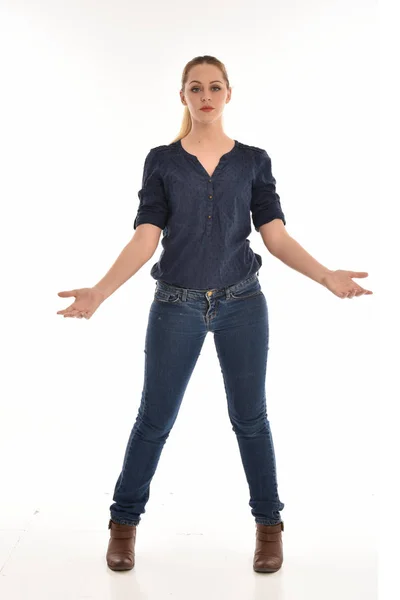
column 87, row 301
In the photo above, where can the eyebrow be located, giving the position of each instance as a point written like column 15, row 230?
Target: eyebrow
column 197, row 81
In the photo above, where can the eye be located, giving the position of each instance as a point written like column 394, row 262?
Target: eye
column 215, row 87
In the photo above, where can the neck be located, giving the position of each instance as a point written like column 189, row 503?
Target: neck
column 206, row 135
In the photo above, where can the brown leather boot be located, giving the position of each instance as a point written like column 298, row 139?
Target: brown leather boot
column 268, row 555
column 121, row 546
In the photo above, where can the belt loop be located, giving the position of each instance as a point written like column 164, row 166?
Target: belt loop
column 184, row 294
column 227, row 293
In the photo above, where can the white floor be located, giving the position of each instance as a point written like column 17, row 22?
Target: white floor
column 49, row 553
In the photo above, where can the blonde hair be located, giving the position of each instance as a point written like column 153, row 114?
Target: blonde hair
column 186, row 124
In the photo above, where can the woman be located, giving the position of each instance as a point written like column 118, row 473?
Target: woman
column 200, row 191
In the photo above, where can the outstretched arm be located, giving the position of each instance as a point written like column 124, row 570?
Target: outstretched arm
column 288, row 250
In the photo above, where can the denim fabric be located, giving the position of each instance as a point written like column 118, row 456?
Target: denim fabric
column 206, row 220
column 178, row 323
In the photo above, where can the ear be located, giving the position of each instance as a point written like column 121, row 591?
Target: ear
column 182, row 97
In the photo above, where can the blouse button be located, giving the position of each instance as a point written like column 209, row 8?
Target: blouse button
column 210, row 196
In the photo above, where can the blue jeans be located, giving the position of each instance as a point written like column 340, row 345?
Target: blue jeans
column 179, row 321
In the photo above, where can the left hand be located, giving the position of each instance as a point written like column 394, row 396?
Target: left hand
column 341, row 284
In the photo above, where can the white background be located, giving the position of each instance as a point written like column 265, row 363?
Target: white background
column 87, row 88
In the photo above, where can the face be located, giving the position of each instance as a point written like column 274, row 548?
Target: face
column 205, row 86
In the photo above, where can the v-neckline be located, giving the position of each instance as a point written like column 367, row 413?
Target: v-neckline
column 196, row 160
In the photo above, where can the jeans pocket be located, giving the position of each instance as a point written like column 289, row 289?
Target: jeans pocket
column 163, row 296
column 247, row 291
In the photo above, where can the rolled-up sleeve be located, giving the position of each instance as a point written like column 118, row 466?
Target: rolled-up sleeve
column 265, row 202
column 153, row 205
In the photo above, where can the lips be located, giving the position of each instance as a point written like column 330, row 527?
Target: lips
column 207, row 109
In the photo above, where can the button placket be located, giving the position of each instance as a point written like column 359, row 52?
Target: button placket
column 209, row 205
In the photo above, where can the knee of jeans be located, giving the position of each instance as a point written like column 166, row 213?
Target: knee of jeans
column 151, row 430
column 248, row 428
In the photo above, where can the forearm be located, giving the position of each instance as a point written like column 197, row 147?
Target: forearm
column 295, row 256
column 135, row 254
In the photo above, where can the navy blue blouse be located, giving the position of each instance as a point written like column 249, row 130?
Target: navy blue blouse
column 206, row 220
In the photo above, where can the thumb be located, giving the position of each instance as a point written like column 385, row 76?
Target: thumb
column 67, row 294
column 358, row 274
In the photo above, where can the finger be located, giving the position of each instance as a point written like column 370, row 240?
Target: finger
column 359, row 292
column 358, row 274
column 68, row 309
column 72, row 313
column 63, row 312
column 67, row 294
